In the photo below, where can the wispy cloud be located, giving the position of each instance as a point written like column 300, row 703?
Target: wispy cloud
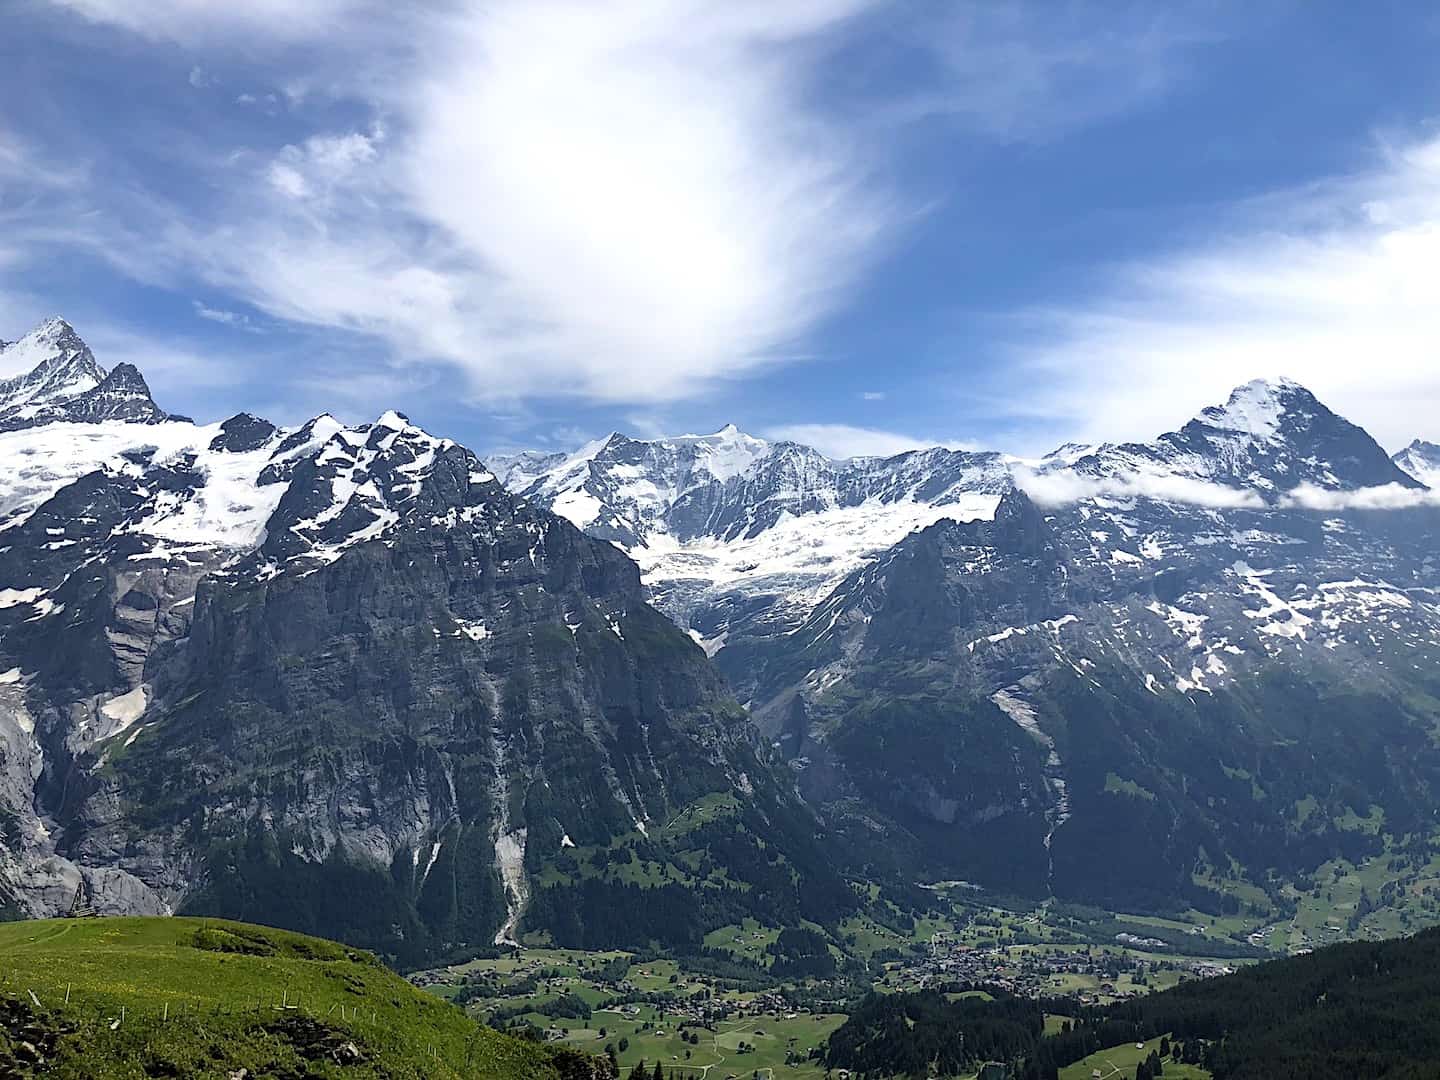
column 1019, row 72
column 1060, row 488
column 195, row 21
column 623, row 202
column 1334, row 284
column 233, row 319
column 656, row 206
column 1384, row 497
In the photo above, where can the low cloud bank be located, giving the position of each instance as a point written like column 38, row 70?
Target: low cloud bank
column 1065, row 488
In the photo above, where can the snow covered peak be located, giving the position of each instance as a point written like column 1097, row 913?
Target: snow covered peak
column 392, row 420
column 726, row 453
column 364, row 483
column 1270, row 437
column 49, row 364
column 1422, row 461
column 1257, row 408
column 64, row 384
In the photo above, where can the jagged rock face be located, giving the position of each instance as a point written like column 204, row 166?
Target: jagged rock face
column 332, row 678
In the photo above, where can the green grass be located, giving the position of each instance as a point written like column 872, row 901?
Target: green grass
column 771, row 1038
column 1119, row 1063
column 748, row 940
column 203, row 998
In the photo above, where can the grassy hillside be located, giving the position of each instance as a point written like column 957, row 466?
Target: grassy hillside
column 151, row 997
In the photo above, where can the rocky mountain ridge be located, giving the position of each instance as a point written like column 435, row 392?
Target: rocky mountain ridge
column 252, row 670
column 1138, row 657
column 255, row 671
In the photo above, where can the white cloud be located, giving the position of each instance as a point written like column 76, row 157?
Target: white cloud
column 1026, row 73
column 652, row 207
column 1335, row 284
column 872, row 395
column 287, row 180
column 647, row 205
column 619, row 202
column 225, row 318
column 1383, row 497
column 1062, row 487
column 201, row 20
column 844, row 441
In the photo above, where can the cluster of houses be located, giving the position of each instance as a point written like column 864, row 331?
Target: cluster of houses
column 1040, row 971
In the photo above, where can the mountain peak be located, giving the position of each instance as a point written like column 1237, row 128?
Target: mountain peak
column 1255, row 408
column 1421, row 460
column 1275, row 434
column 49, row 364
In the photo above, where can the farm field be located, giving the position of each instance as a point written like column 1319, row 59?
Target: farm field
column 1120, row 1062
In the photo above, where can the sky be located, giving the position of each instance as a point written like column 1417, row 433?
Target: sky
column 867, row 225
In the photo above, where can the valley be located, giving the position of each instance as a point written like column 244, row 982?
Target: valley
column 691, row 1013
column 679, row 750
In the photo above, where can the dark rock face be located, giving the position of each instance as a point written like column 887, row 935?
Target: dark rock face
column 243, row 433
column 341, row 680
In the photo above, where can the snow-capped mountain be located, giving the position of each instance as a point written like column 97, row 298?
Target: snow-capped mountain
column 62, row 382
column 1271, row 437
column 1421, row 460
column 334, row 658
column 342, row 657
column 982, row 696
column 51, row 363
column 740, row 536
column 720, row 521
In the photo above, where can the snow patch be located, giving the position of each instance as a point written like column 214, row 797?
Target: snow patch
column 124, row 710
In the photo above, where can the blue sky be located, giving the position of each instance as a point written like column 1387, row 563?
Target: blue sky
column 865, row 223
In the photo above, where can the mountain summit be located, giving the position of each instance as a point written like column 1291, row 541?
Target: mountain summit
column 64, row 383
column 1421, row 460
column 1270, row 437
column 51, row 363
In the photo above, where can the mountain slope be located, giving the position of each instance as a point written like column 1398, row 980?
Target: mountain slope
column 737, row 535
column 1171, row 665
column 250, row 671
column 1144, row 693
column 214, row 999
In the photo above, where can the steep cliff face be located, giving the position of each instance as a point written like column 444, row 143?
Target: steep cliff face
column 1122, row 701
column 340, row 679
